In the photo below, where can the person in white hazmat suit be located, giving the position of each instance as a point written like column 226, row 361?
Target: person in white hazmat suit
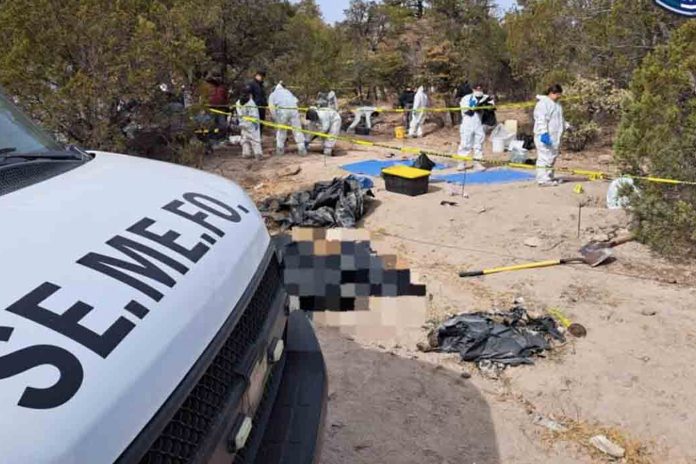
column 251, row 130
column 549, row 126
column 471, row 130
column 420, row 103
column 332, row 101
column 283, row 106
column 326, row 121
column 358, row 114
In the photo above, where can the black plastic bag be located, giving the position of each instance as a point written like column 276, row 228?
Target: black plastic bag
column 338, row 203
column 528, row 141
column 510, row 338
column 423, row 162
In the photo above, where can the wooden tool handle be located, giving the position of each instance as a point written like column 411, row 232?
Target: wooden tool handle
column 622, row 240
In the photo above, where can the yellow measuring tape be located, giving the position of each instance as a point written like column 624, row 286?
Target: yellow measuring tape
column 591, row 175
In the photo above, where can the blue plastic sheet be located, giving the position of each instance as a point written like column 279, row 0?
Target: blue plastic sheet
column 495, row 176
column 374, row 167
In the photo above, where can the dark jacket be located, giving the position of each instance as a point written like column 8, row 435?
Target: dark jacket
column 258, row 93
column 463, row 90
column 406, row 99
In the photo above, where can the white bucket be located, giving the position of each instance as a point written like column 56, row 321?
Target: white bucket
column 501, row 138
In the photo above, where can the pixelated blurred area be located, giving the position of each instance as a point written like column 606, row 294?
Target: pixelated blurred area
column 352, row 283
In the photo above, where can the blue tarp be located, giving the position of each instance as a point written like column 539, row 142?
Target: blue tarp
column 495, row 176
column 374, row 167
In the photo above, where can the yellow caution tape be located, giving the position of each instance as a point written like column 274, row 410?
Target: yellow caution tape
column 519, row 105
column 591, row 175
column 661, row 180
column 560, row 317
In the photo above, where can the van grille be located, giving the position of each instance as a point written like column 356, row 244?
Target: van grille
column 187, row 430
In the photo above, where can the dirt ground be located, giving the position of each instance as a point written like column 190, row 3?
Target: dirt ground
column 631, row 378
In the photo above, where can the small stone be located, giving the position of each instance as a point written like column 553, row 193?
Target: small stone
column 648, row 312
column 465, row 375
column 482, row 210
column 423, row 347
column 577, row 330
column 518, row 301
column 433, row 341
column 606, row 446
column 290, row 171
column 532, row 242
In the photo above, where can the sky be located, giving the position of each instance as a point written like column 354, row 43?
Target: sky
column 332, row 10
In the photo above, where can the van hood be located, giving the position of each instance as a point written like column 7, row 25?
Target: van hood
column 114, row 278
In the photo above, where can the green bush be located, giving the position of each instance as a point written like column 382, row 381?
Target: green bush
column 593, row 107
column 581, row 136
column 657, row 137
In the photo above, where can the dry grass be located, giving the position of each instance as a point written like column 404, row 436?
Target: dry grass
column 580, row 433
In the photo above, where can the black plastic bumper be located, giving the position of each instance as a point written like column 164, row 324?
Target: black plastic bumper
column 292, row 431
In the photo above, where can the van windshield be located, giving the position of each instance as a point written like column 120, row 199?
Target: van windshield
column 19, row 136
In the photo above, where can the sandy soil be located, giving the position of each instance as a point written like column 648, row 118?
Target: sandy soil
column 631, row 377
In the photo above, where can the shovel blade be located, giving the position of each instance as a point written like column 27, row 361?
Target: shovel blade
column 597, row 257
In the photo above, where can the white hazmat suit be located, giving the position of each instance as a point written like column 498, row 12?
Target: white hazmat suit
column 420, row 103
column 330, row 124
column 283, row 106
column 360, row 113
column 251, row 131
column 332, row 100
column 471, row 130
column 548, row 119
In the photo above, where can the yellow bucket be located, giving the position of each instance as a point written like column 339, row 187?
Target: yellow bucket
column 399, row 132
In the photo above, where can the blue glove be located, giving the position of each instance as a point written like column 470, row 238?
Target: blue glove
column 546, row 139
column 472, row 102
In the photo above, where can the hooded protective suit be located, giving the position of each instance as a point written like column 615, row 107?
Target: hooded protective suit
column 548, row 119
column 332, row 100
column 471, row 130
column 329, row 123
column 283, row 106
column 251, row 131
column 420, row 102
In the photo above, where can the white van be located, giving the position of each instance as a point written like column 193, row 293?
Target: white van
column 142, row 315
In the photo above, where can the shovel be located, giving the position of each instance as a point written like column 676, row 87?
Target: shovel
column 594, row 246
column 592, row 257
